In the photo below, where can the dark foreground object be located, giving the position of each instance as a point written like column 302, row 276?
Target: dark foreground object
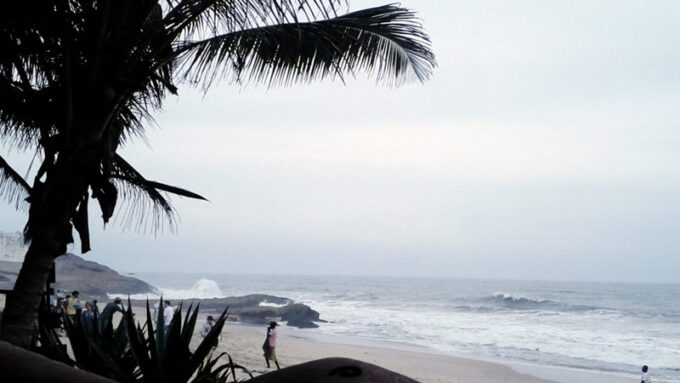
column 19, row 365
column 331, row 370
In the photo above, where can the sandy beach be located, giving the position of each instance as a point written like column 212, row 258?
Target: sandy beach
column 243, row 343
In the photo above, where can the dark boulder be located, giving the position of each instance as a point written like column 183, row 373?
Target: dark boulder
column 258, row 309
column 300, row 315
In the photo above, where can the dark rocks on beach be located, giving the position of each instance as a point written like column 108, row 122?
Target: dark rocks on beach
column 88, row 277
column 258, row 309
column 299, row 315
column 95, row 281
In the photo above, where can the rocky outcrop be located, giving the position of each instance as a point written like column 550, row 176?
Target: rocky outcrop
column 257, row 309
column 95, row 281
column 91, row 278
column 75, row 273
column 301, row 316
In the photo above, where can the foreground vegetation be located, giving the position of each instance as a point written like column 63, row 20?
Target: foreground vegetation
column 81, row 78
column 136, row 352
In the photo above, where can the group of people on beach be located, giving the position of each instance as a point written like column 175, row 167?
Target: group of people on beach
column 73, row 307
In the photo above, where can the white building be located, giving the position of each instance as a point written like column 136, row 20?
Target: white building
column 12, row 247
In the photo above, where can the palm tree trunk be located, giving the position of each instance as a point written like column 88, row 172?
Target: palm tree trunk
column 52, row 216
column 21, row 308
column 49, row 227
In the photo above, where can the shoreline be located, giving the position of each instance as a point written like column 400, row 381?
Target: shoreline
column 545, row 373
column 243, row 341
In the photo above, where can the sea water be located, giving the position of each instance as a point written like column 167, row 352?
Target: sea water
column 609, row 327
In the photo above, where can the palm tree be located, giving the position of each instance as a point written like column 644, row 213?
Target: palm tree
column 80, row 78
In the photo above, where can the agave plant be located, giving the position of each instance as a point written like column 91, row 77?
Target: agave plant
column 94, row 349
column 136, row 352
column 164, row 355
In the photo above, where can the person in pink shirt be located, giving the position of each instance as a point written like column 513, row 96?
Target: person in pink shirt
column 270, row 354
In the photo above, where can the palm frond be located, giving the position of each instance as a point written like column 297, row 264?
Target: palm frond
column 143, row 207
column 19, row 114
column 387, row 41
column 12, row 186
column 78, row 79
column 143, row 196
column 209, row 16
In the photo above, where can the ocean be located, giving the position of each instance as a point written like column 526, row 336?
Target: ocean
column 607, row 327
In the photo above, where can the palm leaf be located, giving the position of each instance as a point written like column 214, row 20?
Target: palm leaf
column 143, row 196
column 12, row 186
column 80, row 76
column 191, row 17
column 20, row 111
column 387, row 40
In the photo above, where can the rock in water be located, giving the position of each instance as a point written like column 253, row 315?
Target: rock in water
column 257, row 309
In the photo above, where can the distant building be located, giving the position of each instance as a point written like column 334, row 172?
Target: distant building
column 12, row 247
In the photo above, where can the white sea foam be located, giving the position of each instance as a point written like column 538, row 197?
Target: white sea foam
column 203, row 289
column 604, row 326
column 271, row 304
column 149, row 296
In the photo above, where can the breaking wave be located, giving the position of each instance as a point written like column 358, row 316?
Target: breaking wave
column 203, row 289
column 507, row 301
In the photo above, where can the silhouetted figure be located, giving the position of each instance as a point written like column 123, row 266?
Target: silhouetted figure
column 107, row 314
column 645, row 377
column 95, row 308
column 270, row 346
column 88, row 313
column 57, row 315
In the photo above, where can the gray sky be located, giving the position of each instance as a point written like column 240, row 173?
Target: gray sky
column 545, row 146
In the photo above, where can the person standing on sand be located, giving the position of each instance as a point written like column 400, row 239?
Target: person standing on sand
column 270, row 353
column 645, row 377
column 88, row 313
column 168, row 313
column 59, row 310
column 95, row 308
column 207, row 327
column 73, row 304
column 107, row 314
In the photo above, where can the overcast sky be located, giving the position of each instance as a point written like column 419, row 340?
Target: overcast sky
column 545, row 146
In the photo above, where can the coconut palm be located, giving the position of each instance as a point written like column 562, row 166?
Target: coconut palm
column 80, row 78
